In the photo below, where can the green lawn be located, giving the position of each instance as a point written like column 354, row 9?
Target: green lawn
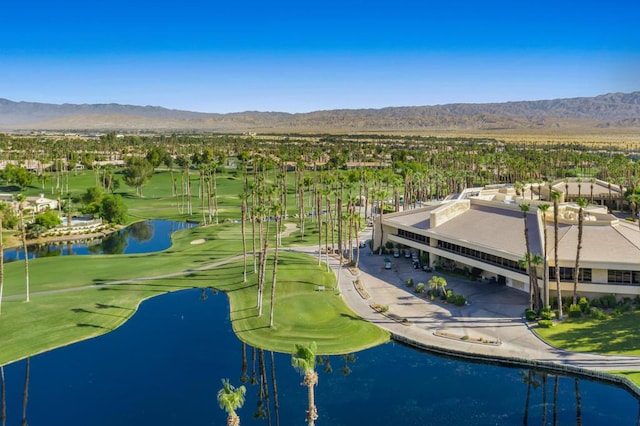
column 301, row 314
column 613, row 336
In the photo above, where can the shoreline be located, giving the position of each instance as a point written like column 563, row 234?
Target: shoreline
column 15, row 242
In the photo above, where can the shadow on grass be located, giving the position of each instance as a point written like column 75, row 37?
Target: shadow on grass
column 351, row 317
column 92, row 326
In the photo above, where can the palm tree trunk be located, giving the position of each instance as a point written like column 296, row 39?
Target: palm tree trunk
column 25, row 251
column 310, row 380
column 275, row 273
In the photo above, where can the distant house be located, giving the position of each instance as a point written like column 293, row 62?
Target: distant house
column 40, row 204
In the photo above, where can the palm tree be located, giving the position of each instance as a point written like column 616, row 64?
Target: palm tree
column 582, row 203
column 276, row 209
column 555, row 195
column 304, row 361
column 533, row 279
column 243, row 217
column 544, row 208
column 20, row 198
column 231, row 399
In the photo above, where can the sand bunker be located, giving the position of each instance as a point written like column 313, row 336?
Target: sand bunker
column 200, row 241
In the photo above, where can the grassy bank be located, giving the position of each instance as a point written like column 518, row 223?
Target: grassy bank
column 72, row 299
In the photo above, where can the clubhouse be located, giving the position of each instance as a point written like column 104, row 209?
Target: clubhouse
column 481, row 232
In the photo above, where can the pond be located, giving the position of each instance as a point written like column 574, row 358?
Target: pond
column 165, row 365
column 140, row 237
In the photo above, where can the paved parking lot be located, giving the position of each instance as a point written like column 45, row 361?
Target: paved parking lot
column 492, row 321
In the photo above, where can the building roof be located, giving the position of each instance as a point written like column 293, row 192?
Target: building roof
column 497, row 226
column 617, row 243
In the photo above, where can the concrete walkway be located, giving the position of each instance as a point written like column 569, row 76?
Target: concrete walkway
column 493, row 316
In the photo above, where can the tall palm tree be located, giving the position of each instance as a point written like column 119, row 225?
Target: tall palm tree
column 544, row 208
column 304, row 361
column 20, row 198
column 243, row 217
column 533, row 280
column 276, row 211
column 555, row 195
column 231, row 399
column 582, row 203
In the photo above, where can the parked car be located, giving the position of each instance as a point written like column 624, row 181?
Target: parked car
column 363, row 244
column 396, row 252
column 407, row 254
column 387, row 263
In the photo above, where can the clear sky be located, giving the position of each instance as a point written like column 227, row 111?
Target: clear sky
column 298, row 56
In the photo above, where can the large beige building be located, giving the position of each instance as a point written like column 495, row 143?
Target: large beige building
column 482, row 232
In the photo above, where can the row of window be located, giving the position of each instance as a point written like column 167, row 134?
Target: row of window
column 485, row 257
column 413, row 237
column 566, row 274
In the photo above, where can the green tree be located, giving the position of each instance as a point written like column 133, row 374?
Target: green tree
column 113, row 209
column 48, row 219
column 304, row 361
column 231, row 399
column 17, row 175
column 137, row 173
column 92, row 195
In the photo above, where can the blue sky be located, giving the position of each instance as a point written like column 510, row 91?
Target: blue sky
column 303, row 56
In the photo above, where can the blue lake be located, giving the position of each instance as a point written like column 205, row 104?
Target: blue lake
column 141, row 237
column 165, row 365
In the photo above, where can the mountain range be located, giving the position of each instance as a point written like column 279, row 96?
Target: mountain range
column 613, row 110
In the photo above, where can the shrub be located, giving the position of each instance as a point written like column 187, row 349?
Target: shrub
column 530, row 314
column 575, row 311
column 546, row 314
column 420, row 288
column 409, row 282
column 608, row 301
column 584, row 305
column 451, row 299
column 459, row 300
column 626, row 306
column 597, row 314
column 545, row 323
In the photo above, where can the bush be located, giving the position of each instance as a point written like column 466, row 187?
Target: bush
column 409, row 282
column 584, row 305
column 575, row 311
column 545, row 323
column 546, row 314
column 597, row 314
column 626, row 307
column 459, row 300
column 608, row 301
column 530, row 314
column 420, row 288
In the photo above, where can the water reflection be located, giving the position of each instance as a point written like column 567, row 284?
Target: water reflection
column 163, row 367
column 140, row 237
